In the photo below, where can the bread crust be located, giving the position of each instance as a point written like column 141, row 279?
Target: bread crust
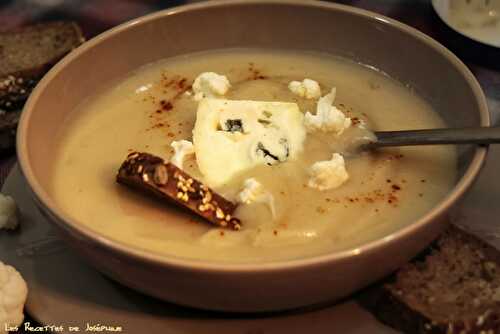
column 392, row 305
column 17, row 80
column 167, row 182
column 16, row 84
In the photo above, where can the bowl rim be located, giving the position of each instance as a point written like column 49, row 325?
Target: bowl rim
column 138, row 254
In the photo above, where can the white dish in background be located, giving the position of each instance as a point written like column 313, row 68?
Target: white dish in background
column 63, row 290
column 477, row 19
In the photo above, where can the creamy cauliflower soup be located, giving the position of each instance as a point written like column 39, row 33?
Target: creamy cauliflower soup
column 269, row 130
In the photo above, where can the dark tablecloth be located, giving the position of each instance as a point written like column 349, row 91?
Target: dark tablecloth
column 95, row 16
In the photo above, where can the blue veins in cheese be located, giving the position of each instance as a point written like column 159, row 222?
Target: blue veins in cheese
column 233, row 136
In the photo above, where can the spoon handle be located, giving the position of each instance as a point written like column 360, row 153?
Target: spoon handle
column 476, row 135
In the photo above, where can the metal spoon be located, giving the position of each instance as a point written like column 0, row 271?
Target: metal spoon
column 476, row 135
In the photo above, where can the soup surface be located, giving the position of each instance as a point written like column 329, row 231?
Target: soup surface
column 152, row 107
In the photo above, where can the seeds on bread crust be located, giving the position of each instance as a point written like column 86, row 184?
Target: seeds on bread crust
column 160, row 176
column 166, row 181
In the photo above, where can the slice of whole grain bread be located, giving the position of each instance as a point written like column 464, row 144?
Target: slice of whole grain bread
column 453, row 288
column 26, row 55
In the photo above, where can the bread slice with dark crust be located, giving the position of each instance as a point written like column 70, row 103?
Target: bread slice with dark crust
column 152, row 175
column 453, row 289
column 28, row 53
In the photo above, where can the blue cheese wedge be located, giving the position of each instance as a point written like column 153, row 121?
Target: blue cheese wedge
column 233, row 136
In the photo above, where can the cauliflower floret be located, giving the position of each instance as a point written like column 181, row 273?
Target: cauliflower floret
column 8, row 213
column 182, row 148
column 13, row 294
column 210, row 84
column 253, row 191
column 328, row 117
column 328, row 174
column 307, row 88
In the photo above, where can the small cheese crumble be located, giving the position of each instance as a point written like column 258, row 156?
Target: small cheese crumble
column 254, row 192
column 328, row 174
column 328, row 117
column 307, row 88
column 210, row 84
column 8, row 213
column 13, row 294
column 182, row 148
